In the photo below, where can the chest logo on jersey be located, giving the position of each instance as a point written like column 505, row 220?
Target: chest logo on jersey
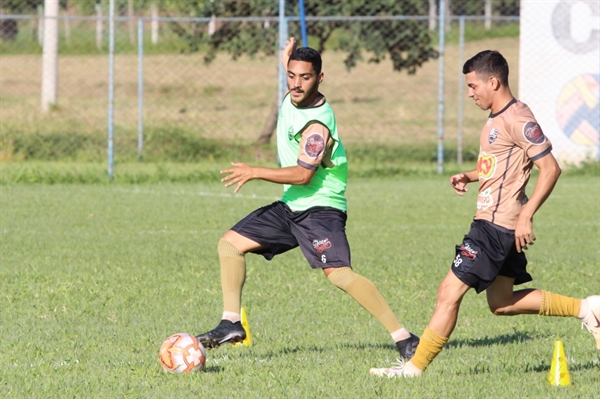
column 533, row 133
column 291, row 133
column 493, row 135
column 486, row 165
column 485, row 199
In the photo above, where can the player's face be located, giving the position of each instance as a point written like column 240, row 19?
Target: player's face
column 480, row 90
column 303, row 83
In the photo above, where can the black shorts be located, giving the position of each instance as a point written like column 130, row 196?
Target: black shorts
column 319, row 231
column 486, row 252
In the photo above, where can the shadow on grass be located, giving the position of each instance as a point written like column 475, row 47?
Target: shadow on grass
column 213, row 369
column 283, row 352
column 515, row 337
column 545, row 367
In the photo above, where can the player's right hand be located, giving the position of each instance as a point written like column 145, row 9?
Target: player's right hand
column 239, row 174
column 287, row 50
column 459, row 183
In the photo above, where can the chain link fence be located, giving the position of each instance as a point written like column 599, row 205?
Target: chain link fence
column 190, row 71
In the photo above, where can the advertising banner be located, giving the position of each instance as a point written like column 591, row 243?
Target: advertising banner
column 559, row 74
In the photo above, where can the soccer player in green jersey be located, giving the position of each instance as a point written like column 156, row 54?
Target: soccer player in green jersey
column 491, row 256
column 310, row 215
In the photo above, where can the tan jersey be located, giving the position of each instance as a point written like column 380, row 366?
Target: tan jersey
column 509, row 143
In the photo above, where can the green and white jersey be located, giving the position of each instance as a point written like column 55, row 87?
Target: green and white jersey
column 328, row 185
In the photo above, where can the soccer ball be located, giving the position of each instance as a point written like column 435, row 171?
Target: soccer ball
column 182, row 353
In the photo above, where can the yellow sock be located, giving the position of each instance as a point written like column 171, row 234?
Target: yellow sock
column 233, row 275
column 558, row 305
column 367, row 295
column 430, row 346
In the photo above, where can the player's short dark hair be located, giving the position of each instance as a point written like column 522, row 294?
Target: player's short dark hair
column 309, row 55
column 488, row 63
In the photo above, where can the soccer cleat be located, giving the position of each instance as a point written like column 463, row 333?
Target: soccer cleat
column 397, row 370
column 592, row 320
column 226, row 331
column 407, row 347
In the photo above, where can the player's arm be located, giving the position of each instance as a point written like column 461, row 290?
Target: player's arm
column 313, row 145
column 242, row 173
column 286, row 52
column 459, row 181
column 549, row 173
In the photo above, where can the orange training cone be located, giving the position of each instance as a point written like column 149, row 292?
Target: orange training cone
column 248, row 340
column 559, row 372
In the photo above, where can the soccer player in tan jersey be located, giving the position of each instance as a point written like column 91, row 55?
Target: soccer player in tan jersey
column 491, row 256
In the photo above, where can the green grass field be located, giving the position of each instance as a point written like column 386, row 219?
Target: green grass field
column 95, row 276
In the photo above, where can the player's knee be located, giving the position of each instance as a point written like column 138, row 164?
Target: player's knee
column 498, row 308
column 448, row 298
column 226, row 249
column 446, row 304
column 342, row 277
column 494, row 309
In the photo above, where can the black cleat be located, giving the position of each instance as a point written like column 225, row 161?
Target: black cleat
column 226, row 331
column 407, row 347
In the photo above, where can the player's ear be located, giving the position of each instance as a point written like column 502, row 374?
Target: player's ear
column 494, row 82
column 320, row 78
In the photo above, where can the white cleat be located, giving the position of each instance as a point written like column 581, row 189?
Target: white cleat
column 592, row 320
column 400, row 369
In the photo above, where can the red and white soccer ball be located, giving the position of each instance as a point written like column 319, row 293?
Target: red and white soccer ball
column 182, row 353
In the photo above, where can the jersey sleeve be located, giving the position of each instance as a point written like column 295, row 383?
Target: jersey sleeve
column 314, row 143
column 528, row 135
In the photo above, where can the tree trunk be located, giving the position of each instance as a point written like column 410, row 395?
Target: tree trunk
column 270, row 124
column 131, row 21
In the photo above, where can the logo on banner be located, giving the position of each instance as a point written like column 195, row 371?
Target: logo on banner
column 578, row 109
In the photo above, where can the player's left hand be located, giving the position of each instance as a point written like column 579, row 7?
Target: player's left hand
column 239, row 174
column 524, row 234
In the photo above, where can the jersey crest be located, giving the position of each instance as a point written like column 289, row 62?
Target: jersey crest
column 291, row 133
column 493, row 135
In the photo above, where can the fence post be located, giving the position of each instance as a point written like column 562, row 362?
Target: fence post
column 140, row 89
column 442, row 39
column 303, row 23
column 283, row 32
column 50, row 55
column 461, row 49
column 111, row 100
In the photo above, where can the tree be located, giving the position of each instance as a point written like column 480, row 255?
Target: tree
column 407, row 43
